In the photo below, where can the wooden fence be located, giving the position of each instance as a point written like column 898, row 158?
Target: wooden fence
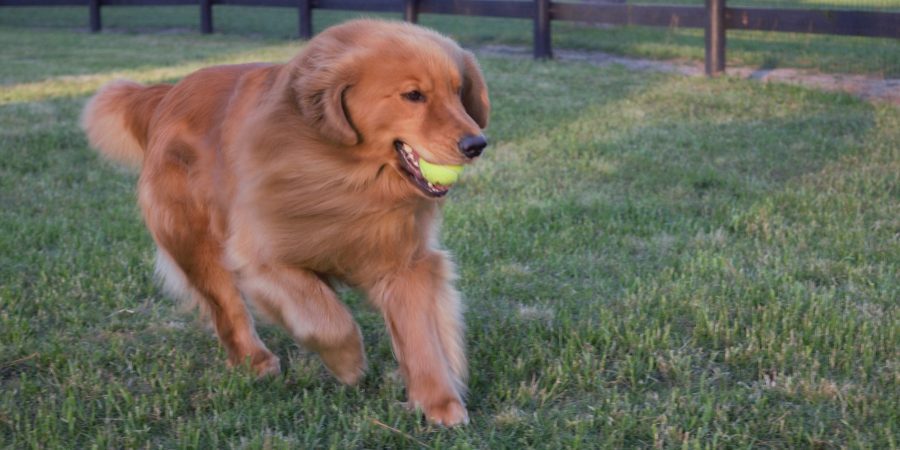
column 714, row 17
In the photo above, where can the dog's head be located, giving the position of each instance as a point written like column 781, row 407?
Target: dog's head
column 394, row 92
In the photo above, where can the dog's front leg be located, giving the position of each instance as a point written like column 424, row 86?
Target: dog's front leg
column 423, row 315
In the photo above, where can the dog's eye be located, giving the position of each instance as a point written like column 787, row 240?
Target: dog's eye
column 414, row 96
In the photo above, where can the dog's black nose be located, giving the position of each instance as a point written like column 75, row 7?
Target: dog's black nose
column 472, row 146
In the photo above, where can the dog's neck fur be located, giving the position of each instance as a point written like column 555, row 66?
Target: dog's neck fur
column 389, row 225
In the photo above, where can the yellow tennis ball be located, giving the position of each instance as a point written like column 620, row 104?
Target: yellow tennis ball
column 438, row 174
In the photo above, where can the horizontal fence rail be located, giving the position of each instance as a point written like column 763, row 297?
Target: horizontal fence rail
column 714, row 17
column 849, row 23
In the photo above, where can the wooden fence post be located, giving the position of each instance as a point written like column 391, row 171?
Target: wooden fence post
column 94, row 12
column 304, row 11
column 206, row 19
column 542, row 48
column 715, row 37
column 411, row 11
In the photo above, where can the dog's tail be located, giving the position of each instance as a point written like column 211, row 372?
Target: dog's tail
column 117, row 118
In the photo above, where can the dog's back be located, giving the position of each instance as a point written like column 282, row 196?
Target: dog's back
column 118, row 119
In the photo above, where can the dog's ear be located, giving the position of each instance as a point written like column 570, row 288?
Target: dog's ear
column 322, row 77
column 474, row 91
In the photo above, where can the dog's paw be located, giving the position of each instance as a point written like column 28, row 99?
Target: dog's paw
column 449, row 413
column 267, row 365
column 351, row 374
column 262, row 362
column 347, row 365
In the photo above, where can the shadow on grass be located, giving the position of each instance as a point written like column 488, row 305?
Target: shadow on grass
column 591, row 217
column 570, row 269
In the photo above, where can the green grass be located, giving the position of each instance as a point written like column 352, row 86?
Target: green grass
column 649, row 261
column 833, row 54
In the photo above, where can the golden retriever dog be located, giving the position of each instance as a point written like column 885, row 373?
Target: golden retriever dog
column 272, row 182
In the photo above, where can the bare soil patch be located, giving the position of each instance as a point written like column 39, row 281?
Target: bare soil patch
column 863, row 86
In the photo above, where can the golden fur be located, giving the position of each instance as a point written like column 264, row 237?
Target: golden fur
column 270, row 182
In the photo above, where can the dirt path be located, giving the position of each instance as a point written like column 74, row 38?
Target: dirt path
column 866, row 87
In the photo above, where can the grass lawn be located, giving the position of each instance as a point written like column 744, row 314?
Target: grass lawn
column 833, row 54
column 649, row 261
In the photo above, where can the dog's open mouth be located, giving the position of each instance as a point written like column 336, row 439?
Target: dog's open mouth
column 409, row 161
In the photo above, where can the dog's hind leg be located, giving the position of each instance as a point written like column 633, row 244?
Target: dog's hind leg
column 191, row 253
column 213, row 289
column 306, row 306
